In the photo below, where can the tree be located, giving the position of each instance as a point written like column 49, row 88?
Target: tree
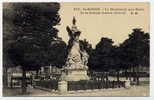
column 136, row 49
column 117, row 60
column 33, row 32
column 85, row 45
column 58, row 53
column 101, row 58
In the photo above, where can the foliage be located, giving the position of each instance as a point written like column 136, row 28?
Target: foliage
column 133, row 52
column 33, row 33
column 85, row 45
column 136, row 48
column 101, row 58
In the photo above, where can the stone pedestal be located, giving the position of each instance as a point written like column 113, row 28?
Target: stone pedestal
column 62, row 86
column 76, row 74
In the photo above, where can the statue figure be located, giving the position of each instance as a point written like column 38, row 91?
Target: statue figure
column 73, row 33
column 74, row 21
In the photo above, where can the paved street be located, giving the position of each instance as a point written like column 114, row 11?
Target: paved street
column 133, row 91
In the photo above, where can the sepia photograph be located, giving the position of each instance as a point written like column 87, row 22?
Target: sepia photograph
column 98, row 49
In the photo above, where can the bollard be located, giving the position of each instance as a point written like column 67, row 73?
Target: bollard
column 30, row 88
column 127, row 84
column 62, row 86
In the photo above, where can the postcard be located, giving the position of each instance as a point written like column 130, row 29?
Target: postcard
column 76, row 49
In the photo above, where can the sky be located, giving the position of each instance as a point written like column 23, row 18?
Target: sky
column 95, row 26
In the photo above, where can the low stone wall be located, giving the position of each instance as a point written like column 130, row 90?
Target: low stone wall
column 91, row 84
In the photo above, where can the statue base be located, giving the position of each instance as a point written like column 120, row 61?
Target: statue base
column 76, row 74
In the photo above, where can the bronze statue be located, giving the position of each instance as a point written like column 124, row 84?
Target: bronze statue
column 73, row 33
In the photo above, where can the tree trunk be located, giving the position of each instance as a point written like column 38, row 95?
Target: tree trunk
column 137, row 75
column 37, row 71
column 107, row 76
column 134, row 74
column 5, row 77
column 129, row 74
column 24, row 85
column 103, row 76
column 118, row 76
column 126, row 74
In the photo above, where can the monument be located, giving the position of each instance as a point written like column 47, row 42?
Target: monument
column 76, row 67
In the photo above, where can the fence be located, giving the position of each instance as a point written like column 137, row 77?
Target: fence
column 131, row 74
column 48, row 84
column 91, row 84
column 80, row 85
